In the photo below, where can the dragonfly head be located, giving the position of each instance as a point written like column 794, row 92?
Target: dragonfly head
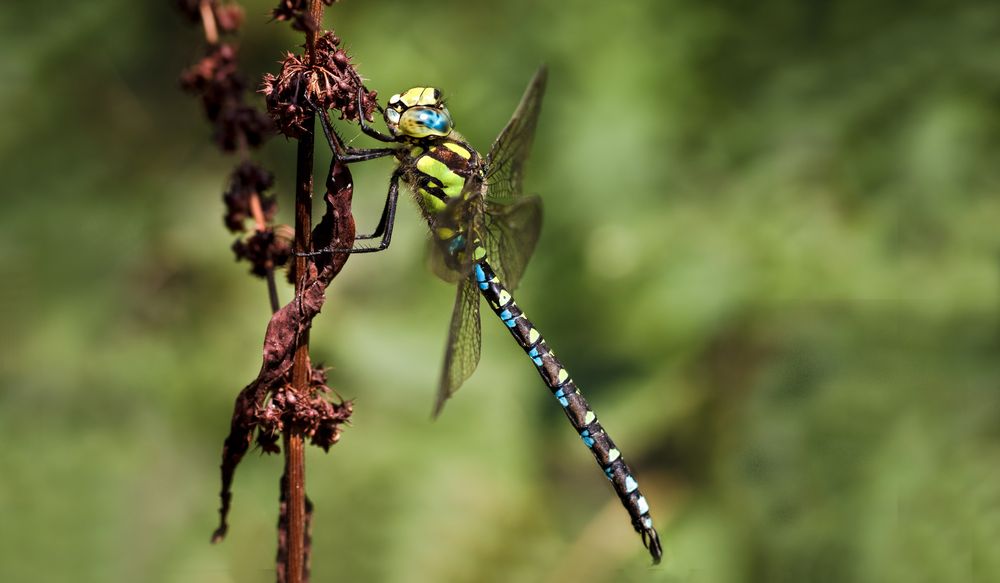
column 418, row 114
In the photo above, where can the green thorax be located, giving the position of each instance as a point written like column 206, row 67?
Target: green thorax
column 438, row 171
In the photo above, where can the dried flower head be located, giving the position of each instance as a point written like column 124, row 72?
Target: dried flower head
column 297, row 12
column 332, row 83
column 264, row 249
column 246, row 181
column 216, row 79
column 319, row 417
column 229, row 17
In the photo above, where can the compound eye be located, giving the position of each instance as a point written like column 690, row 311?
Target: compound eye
column 392, row 115
column 437, row 120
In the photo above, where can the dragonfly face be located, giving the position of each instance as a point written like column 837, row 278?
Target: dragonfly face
column 418, row 113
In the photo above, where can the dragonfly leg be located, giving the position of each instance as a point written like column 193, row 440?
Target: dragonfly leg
column 345, row 154
column 367, row 129
column 384, row 228
column 388, row 218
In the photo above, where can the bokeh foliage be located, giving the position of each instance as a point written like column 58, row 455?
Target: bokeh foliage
column 770, row 259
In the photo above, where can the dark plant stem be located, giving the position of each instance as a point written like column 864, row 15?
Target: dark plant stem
column 301, row 369
column 261, row 222
column 272, row 291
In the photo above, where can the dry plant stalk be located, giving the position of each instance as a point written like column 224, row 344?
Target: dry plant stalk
column 289, row 399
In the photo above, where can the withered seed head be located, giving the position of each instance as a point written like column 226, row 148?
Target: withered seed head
column 297, row 12
column 265, row 250
column 247, row 180
column 217, row 81
column 319, row 417
column 332, row 83
column 229, row 17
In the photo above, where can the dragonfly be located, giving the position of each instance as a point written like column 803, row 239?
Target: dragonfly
column 484, row 229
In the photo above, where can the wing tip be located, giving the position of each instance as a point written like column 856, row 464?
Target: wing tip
column 438, row 407
column 541, row 74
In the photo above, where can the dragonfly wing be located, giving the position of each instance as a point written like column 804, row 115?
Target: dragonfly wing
column 462, row 354
column 441, row 265
column 505, row 163
column 511, row 234
column 453, row 231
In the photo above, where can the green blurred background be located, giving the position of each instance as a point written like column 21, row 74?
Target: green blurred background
column 771, row 258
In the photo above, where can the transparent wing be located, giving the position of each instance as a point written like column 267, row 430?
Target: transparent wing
column 496, row 214
column 441, row 265
column 505, row 163
column 462, row 354
column 511, row 234
column 453, row 231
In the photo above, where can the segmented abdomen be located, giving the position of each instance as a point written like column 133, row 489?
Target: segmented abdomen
column 575, row 406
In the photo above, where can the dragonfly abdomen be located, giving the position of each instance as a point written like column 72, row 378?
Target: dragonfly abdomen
column 573, row 403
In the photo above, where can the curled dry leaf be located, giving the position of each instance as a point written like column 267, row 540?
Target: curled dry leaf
column 280, row 340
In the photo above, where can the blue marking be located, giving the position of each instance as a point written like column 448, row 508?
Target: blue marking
column 433, row 119
column 562, row 399
column 607, row 472
column 537, row 360
column 533, row 352
column 456, row 244
column 587, row 439
column 483, row 285
column 504, row 315
column 480, row 275
column 509, row 323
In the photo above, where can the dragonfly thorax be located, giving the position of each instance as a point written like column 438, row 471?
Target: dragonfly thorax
column 418, row 114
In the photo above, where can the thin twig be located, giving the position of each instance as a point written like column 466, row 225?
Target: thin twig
column 301, row 369
column 208, row 22
column 260, row 222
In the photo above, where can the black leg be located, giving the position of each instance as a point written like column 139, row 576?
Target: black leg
column 388, row 212
column 384, row 227
column 368, row 130
column 352, row 155
column 331, row 136
column 345, row 154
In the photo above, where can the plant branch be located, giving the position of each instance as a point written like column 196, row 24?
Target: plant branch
column 208, row 22
column 301, row 367
column 260, row 222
